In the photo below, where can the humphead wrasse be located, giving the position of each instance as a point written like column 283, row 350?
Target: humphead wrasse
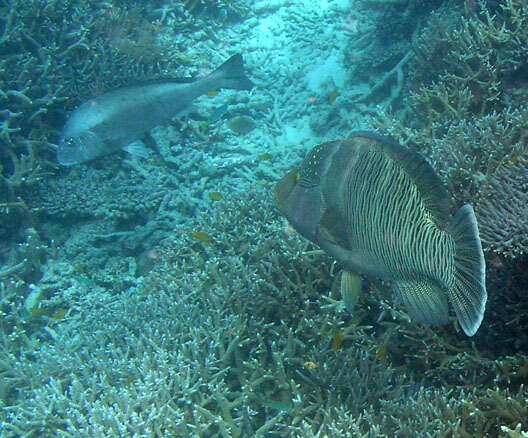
column 118, row 119
column 381, row 211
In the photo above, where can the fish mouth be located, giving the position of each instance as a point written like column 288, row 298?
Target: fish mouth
column 66, row 155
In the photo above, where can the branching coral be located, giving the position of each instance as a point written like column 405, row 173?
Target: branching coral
column 220, row 10
column 503, row 207
column 233, row 338
column 469, row 116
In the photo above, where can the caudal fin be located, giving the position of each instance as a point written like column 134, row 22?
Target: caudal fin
column 231, row 74
column 468, row 295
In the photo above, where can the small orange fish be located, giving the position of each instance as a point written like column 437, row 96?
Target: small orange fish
column 201, row 236
column 337, row 340
column 215, row 196
column 310, row 365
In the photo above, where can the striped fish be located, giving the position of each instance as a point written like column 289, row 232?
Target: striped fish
column 381, row 211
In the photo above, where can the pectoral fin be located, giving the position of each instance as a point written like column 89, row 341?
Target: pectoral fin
column 137, row 148
column 331, row 229
column 350, row 289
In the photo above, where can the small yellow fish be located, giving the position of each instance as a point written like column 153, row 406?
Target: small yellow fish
column 241, row 124
column 201, row 237
column 212, row 93
column 337, row 340
column 310, row 365
column 333, row 96
column 59, row 314
column 382, row 352
column 215, row 196
column 264, row 157
column 38, row 311
column 203, row 128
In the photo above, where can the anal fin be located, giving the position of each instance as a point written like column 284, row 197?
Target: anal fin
column 424, row 301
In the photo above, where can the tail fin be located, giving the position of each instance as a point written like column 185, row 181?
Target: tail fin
column 231, row 74
column 468, row 295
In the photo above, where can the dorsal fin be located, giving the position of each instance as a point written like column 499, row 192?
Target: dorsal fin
column 433, row 192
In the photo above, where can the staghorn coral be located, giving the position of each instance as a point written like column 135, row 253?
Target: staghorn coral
column 503, row 207
column 469, row 116
column 213, row 342
column 380, row 47
column 219, row 10
column 87, row 192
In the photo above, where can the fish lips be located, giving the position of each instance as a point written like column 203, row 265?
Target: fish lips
column 67, row 153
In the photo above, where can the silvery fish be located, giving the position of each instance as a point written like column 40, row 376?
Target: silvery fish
column 381, row 211
column 118, row 119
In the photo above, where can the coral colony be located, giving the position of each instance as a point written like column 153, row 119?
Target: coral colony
column 166, row 295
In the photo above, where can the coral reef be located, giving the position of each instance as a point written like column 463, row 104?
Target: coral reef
column 234, row 337
column 136, row 305
column 379, row 48
column 469, row 116
column 47, row 60
column 503, row 207
column 220, row 10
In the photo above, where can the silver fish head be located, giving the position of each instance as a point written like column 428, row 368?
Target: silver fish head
column 302, row 205
column 79, row 148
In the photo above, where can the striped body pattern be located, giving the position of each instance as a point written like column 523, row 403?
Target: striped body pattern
column 387, row 221
column 381, row 211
